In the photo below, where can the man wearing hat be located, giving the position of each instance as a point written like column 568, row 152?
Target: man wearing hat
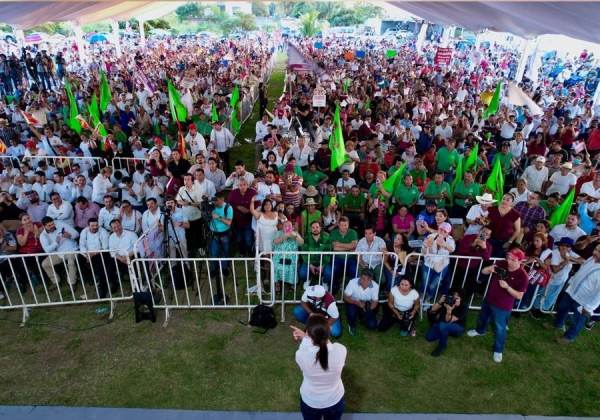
column 508, row 283
column 561, row 264
column 221, row 140
column 361, row 299
column 582, row 297
column 536, row 175
column 563, row 181
column 196, row 141
column 368, row 165
column 317, row 300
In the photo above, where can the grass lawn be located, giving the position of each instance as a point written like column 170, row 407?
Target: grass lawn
column 205, row 359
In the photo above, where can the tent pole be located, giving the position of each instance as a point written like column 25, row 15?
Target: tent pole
column 115, row 28
column 79, row 40
column 142, row 33
column 522, row 61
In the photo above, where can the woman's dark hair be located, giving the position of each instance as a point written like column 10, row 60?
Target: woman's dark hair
column 458, row 290
column 409, row 280
column 317, row 329
column 405, row 246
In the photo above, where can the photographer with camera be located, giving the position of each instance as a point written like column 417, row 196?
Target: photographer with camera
column 176, row 222
column 509, row 283
column 190, row 199
column 448, row 317
column 220, row 227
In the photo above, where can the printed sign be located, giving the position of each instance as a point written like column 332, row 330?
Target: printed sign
column 443, row 56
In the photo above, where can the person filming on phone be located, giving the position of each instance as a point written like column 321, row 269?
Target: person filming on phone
column 509, row 282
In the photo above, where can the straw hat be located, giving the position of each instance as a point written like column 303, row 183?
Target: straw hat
column 311, row 191
column 485, row 199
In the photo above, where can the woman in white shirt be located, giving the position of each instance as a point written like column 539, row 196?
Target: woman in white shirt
column 404, row 302
column 102, row 185
column 321, row 362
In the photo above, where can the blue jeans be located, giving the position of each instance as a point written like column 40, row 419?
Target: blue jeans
column 500, row 320
column 244, row 235
column 330, row 413
column 338, row 269
column 391, row 279
column 368, row 317
column 568, row 304
column 431, row 278
column 219, row 248
column 325, row 274
column 302, row 316
column 442, row 330
column 547, row 296
column 497, row 250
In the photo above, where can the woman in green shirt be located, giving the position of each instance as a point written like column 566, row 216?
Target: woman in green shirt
column 407, row 193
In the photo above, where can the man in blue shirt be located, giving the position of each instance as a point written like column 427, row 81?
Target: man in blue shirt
column 220, row 226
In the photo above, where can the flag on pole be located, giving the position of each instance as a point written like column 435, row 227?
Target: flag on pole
column 181, row 145
column 105, row 94
column 346, row 84
column 392, row 183
column 29, row 119
column 83, row 122
column 215, row 114
column 517, row 97
column 297, row 61
column 471, row 160
column 559, row 217
column 235, row 96
column 495, row 182
column 235, row 123
column 495, row 103
column 458, row 176
column 178, row 109
column 72, row 119
column 2, row 147
column 105, row 143
column 95, row 116
column 336, row 142
column 157, row 127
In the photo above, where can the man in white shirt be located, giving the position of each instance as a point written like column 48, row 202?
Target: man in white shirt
column 262, row 128
column 132, row 192
column 356, row 123
column 269, row 189
column 108, row 213
column 302, row 152
column 189, row 197
column 159, row 145
column 196, row 141
column 570, row 229
column 592, row 189
column 150, row 216
column 444, row 130
column 63, row 187
column 121, row 243
column 563, row 181
column 221, row 140
column 371, row 243
column 536, row 175
column 361, row 298
column 139, row 152
column 92, row 241
column 240, row 172
column 215, row 175
column 56, row 239
column 61, row 211
column 207, row 187
column 507, row 131
column 281, row 122
column 151, row 188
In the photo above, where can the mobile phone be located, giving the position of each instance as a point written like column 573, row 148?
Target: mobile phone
column 594, row 232
column 289, row 177
column 287, row 228
column 377, row 181
column 482, row 236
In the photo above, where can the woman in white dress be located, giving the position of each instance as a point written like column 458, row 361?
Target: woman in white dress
column 266, row 228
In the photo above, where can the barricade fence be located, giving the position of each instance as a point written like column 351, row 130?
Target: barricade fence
column 56, row 279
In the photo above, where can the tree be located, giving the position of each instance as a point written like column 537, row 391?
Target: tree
column 309, row 24
column 368, row 10
column 247, row 22
column 328, row 8
column 272, row 9
column 301, row 8
column 346, row 17
column 230, row 24
column 285, row 8
column 188, row 10
column 260, row 9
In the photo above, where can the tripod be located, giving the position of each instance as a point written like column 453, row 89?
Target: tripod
column 180, row 277
column 210, row 230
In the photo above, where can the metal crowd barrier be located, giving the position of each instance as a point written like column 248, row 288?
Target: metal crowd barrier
column 26, row 280
column 65, row 163
column 200, row 283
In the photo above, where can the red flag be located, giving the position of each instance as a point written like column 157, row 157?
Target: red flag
column 298, row 61
column 29, row 119
column 182, row 147
column 2, row 147
column 83, row 123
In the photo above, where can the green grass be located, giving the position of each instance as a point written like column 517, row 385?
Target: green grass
column 246, row 151
column 206, row 359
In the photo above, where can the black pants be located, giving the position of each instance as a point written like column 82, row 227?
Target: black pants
column 103, row 267
column 224, row 156
column 193, row 234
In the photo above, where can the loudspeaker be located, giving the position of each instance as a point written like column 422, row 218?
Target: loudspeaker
column 144, row 307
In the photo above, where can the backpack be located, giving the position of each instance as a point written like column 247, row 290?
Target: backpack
column 263, row 317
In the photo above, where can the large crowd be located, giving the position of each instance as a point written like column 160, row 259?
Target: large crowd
column 66, row 191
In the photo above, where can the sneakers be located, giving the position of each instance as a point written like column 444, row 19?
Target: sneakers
column 551, row 326
column 563, row 340
column 403, row 333
column 473, row 333
column 438, row 351
column 413, row 333
column 536, row 314
column 588, row 325
column 352, row 330
column 497, row 357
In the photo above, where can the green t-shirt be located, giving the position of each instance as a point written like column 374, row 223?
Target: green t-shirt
column 354, row 203
column 393, row 169
column 504, row 161
column 446, row 159
column 422, row 175
column 405, row 195
column 549, row 210
column 311, row 218
column 433, row 189
column 297, row 169
column 322, row 245
column 471, row 190
column 313, row 179
column 121, row 137
column 336, row 236
column 327, row 200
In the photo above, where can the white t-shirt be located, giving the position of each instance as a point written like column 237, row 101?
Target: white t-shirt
column 404, row 302
column 475, row 212
column 561, row 183
column 561, row 276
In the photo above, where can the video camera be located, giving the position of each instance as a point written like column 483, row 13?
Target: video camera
column 207, row 206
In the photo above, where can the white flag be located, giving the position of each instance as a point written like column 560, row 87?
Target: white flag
column 517, row 97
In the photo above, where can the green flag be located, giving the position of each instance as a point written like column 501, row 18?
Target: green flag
column 495, row 182
column 392, row 183
column 178, row 110
column 471, row 160
column 73, row 112
column 346, row 84
column 235, row 123
column 336, row 142
column 235, row 96
column 458, row 176
column 493, row 107
column 368, row 104
column 559, row 217
column 157, row 127
column 215, row 114
column 95, row 116
column 105, row 94
column 391, row 53
column 9, row 99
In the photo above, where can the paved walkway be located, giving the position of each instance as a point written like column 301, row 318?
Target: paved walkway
column 91, row 413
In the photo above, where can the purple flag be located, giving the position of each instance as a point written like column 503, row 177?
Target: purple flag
column 144, row 79
column 297, row 61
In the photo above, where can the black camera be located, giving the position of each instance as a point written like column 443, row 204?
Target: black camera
column 166, row 209
column 259, row 174
column 501, row 272
column 450, row 300
column 207, row 206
